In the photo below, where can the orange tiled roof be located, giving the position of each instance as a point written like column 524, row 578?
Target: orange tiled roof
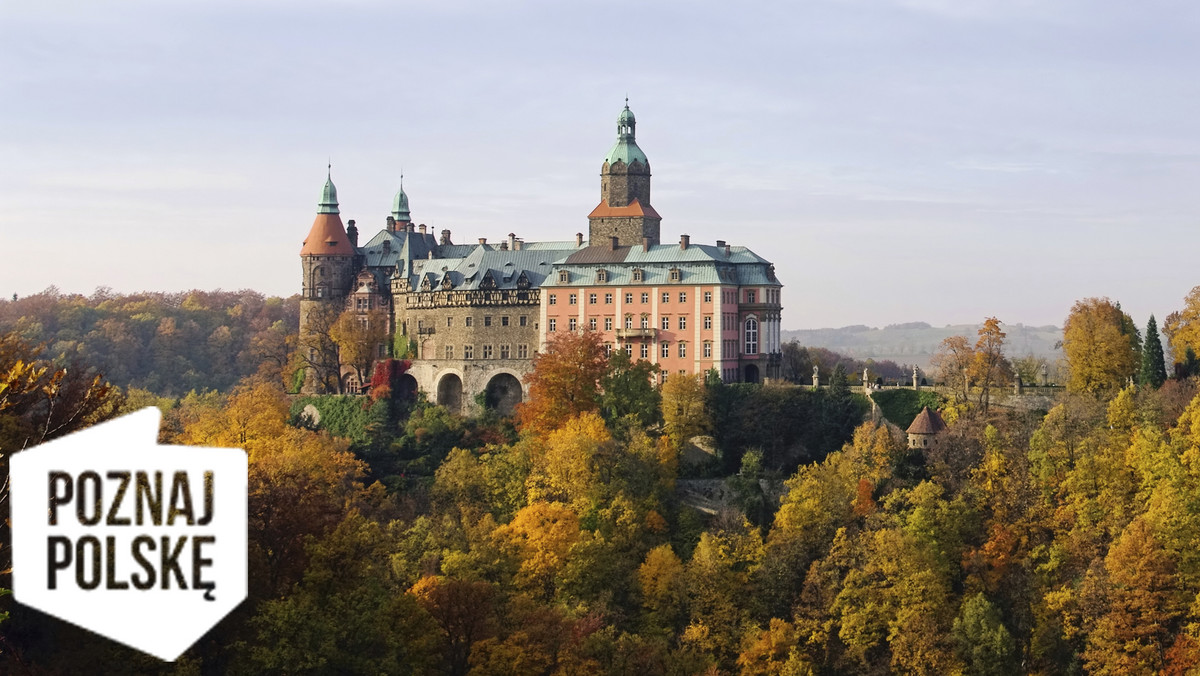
column 634, row 208
column 327, row 237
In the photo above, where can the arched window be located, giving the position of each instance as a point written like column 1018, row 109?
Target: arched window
column 751, row 336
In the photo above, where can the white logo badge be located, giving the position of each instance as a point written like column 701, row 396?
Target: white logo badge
column 140, row 543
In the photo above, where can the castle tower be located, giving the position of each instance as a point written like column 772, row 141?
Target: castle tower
column 327, row 261
column 400, row 214
column 624, row 211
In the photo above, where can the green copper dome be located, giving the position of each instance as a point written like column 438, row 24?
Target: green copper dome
column 626, row 148
column 328, row 203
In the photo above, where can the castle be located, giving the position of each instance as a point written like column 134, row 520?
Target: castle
column 472, row 316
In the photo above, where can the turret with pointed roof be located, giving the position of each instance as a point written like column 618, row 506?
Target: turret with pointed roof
column 924, row 427
column 400, row 205
column 624, row 211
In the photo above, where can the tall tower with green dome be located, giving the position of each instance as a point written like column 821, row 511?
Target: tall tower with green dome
column 624, row 211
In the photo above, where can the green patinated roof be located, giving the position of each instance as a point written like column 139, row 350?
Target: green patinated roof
column 328, row 203
column 400, row 206
column 626, row 148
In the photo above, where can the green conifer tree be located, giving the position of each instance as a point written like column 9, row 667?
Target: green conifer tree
column 1154, row 367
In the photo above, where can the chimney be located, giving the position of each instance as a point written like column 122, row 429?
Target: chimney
column 579, row 239
column 422, row 228
column 503, row 246
column 391, row 224
column 483, row 240
column 352, row 233
column 512, row 241
column 720, row 243
column 445, row 237
column 683, row 242
column 727, row 251
column 518, row 245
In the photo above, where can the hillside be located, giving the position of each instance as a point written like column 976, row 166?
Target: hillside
column 915, row 342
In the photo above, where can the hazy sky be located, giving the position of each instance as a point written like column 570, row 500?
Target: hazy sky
column 899, row 160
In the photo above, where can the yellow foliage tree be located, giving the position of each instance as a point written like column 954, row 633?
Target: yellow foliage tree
column 539, row 537
column 1183, row 327
column 566, row 469
column 683, row 408
column 1101, row 353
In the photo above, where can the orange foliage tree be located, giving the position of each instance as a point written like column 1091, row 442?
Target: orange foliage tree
column 565, row 381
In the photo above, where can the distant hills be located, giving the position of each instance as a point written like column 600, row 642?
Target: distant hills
column 915, row 342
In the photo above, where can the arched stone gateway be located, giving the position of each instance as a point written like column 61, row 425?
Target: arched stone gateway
column 450, row 393
column 503, row 393
column 407, row 385
column 751, row 373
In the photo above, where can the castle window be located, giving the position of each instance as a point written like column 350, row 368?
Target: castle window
column 608, row 349
column 602, row 276
column 563, row 276
column 504, row 320
column 682, row 323
column 629, row 349
column 449, row 322
column 666, row 297
column 487, row 320
column 608, row 323
column 629, row 321
column 645, row 297
column 553, row 299
column 708, row 296
column 683, row 296
column 749, row 296
column 645, row 322
column 751, row 335
column 708, row 321
column 523, row 320
column 707, row 349
column 468, row 321
column 320, row 292
column 637, row 275
column 552, row 326
column 382, row 351
column 449, row 352
column 629, row 298
column 487, row 351
column 666, row 349
column 572, row 299
column 608, row 299
column 468, row 351
column 572, row 324
column 591, row 299
column 675, row 276
column 644, row 351
column 522, row 352
column 666, row 323
column 504, row 352
column 592, row 324
column 683, row 349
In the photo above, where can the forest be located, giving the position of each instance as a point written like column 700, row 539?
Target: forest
column 395, row 537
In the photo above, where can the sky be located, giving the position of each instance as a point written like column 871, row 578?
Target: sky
column 898, row 160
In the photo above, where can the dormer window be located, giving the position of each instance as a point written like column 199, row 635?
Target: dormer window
column 638, row 275
column 675, row 274
column 601, row 276
column 563, row 276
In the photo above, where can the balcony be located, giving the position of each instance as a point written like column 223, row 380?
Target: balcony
column 637, row 333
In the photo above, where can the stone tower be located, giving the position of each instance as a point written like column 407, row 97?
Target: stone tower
column 327, row 263
column 624, row 211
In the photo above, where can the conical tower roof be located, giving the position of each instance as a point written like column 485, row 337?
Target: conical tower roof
column 926, row 422
column 327, row 236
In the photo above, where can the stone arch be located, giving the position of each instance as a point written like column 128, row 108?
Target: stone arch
column 503, row 393
column 450, row 392
column 751, row 372
column 406, row 387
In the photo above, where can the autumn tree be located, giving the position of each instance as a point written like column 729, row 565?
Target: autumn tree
column 1154, row 367
column 358, row 336
column 988, row 367
column 564, row 382
column 316, row 352
column 952, row 363
column 1183, row 326
column 627, row 388
column 1100, row 350
column 683, row 408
